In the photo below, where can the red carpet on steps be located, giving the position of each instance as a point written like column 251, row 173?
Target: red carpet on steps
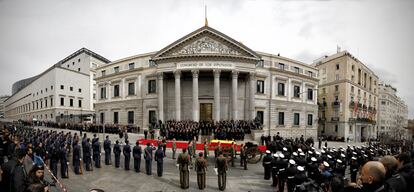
column 199, row 146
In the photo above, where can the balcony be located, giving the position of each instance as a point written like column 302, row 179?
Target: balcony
column 352, row 120
column 322, row 119
column 322, row 105
column 336, row 104
column 365, row 120
column 335, row 119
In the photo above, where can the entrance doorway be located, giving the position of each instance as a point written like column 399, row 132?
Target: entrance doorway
column 206, row 111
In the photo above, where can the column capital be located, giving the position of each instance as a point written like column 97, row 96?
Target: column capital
column 177, row 74
column 216, row 72
column 234, row 74
column 160, row 75
column 195, row 73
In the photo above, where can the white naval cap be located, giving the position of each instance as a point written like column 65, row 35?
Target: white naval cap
column 300, row 150
column 302, row 154
column 326, row 164
column 317, row 152
column 354, row 158
column 329, row 156
column 267, row 151
column 275, row 155
column 322, row 151
column 339, row 161
column 313, row 159
column 284, row 149
column 310, row 152
column 295, row 154
column 292, row 162
column 342, row 155
column 300, row 168
column 282, row 156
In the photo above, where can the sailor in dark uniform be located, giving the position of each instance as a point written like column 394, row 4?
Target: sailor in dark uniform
column 267, row 165
column 127, row 154
column 117, row 153
column 107, row 149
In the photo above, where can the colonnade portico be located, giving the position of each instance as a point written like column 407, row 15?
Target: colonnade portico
column 195, row 94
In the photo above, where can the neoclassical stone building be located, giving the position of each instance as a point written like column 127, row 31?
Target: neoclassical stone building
column 207, row 75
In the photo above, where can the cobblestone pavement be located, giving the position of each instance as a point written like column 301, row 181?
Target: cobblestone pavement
column 114, row 179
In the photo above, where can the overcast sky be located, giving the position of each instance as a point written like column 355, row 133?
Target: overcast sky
column 36, row 34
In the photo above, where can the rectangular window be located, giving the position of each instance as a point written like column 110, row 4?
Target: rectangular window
column 310, row 119
column 103, row 92
column 62, row 101
column 281, row 89
column 281, row 118
column 281, row 66
column 71, row 102
column 296, row 119
column 103, row 72
column 51, row 102
column 116, row 69
column 152, row 86
column 260, row 116
column 297, row 70
column 296, row 91
column 62, row 87
column 116, row 90
column 310, row 73
column 336, row 128
column 352, row 89
column 115, row 117
column 260, row 86
column 336, row 87
column 78, row 69
column 130, row 117
column 102, row 118
column 131, row 88
column 71, row 88
column 131, row 66
column 45, row 102
column 151, row 116
column 80, row 90
column 79, row 103
column 310, row 94
column 51, row 87
column 337, row 66
column 337, row 77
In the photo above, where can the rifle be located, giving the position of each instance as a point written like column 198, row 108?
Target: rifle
column 81, row 165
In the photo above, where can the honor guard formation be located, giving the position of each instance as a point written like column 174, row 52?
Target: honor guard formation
column 288, row 164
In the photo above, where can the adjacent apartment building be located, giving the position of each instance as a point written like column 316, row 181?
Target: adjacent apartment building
column 2, row 101
column 348, row 97
column 63, row 93
column 207, row 75
column 392, row 113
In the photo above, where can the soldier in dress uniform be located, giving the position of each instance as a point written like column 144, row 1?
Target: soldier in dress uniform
column 218, row 149
column 96, row 152
column 76, row 157
column 148, row 158
column 63, row 161
column 201, row 167
column 243, row 156
column 117, row 153
column 54, row 158
column 267, row 165
column 275, row 169
column 136, row 153
column 107, row 149
column 232, row 153
column 87, row 155
column 127, row 154
column 353, row 168
column 206, row 152
column 282, row 165
column 290, row 174
column 300, row 176
column 221, row 165
column 174, row 148
column 159, row 158
column 183, row 161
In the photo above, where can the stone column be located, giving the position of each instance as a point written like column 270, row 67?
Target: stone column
column 234, row 75
column 160, row 96
column 304, row 92
column 108, row 91
column 252, row 93
column 124, row 93
column 196, row 105
column 177, row 75
column 289, row 90
column 216, row 94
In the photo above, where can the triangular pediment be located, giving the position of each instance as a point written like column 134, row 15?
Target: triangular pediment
column 206, row 42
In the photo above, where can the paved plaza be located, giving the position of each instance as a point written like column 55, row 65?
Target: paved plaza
column 110, row 178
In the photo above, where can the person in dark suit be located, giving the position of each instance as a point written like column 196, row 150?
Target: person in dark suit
column 117, row 152
column 107, row 149
column 159, row 157
column 127, row 154
column 136, row 152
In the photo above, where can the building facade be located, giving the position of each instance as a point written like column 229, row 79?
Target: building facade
column 2, row 108
column 392, row 113
column 62, row 93
column 207, row 75
column 348, row 97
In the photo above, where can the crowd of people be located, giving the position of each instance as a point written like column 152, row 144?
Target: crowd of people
column 223, row 130
column 297, row 165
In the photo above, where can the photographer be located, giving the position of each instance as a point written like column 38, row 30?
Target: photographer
column 36, row 177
